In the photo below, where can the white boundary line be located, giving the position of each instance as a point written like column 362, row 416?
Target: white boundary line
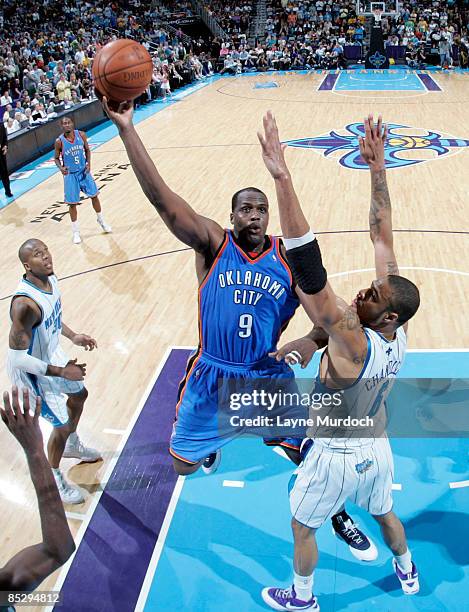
column 112, row 464
column 146, row 586
column 75, row 516
column 459, row 485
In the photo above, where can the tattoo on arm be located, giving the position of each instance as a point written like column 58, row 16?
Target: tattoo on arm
column 392, row 267
column 19, row 340
column 349, row 321
column 380, row 209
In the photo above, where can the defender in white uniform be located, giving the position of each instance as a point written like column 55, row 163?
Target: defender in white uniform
column 35, row 360
column 366, row 344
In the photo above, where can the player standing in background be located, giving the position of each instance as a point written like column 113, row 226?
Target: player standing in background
column 73, row 159
column 29, row 567
column 36, row 361
column 367, row 340
column 246, row 299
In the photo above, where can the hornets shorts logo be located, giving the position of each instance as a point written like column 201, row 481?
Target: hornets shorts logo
column 364, row 466
column 397, row 142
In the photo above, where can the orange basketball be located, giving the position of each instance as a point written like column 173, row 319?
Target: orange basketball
column 122, row 70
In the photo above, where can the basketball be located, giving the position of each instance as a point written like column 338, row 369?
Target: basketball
column 122, row 70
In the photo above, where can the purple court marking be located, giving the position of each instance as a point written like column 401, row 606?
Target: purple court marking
column 429, row 83
column 328, row 82
column 110, row 565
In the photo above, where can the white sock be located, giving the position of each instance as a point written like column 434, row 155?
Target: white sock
column 75, row 226
column 99, row 216
column 303, row 586
column 404, row 562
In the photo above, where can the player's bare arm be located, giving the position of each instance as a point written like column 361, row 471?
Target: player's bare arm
column 202, row 234
column 380, row 218
column 347, row 340
column 301, row 350
column 30, row 566
column 87, row 342
column 25, row 315
column 58, row 156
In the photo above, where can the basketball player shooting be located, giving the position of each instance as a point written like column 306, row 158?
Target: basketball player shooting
column 239, row 322
column 367, row 340
column 73, row 159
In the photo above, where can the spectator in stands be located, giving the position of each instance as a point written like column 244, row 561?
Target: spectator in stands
column 6, row 98
column 63, row 88
column 12, row 125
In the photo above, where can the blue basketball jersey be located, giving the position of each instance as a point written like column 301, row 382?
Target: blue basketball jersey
column 245, row 303
column 73, row 153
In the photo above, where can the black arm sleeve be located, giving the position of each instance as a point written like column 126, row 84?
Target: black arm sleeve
column 306, row 265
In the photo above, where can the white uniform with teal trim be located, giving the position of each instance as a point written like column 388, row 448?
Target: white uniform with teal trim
column 45, row 346
column 358, row 469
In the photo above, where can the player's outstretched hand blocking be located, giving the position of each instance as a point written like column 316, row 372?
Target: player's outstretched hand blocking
column 120, row 116
column 20, row 422
column 272, row 148
column 372, row 145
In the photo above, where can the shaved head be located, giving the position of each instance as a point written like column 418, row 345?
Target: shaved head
column 27, row 247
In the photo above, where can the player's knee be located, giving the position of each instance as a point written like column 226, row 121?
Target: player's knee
column 385, row 519
column 184, row 469
column 301, row 532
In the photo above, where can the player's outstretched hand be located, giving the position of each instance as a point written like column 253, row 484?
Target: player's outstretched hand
column 86, row 341
column 272, row 149
column 122, row 117
column 372, row 146
column 21, row 423
column 74, row 370
column 298, row 351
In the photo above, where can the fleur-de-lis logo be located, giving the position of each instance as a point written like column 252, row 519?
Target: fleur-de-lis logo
column 396, row 143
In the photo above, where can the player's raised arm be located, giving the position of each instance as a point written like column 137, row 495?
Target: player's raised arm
column 304, row 256
column 30, row 566
column 372, row 151
column 198, row 232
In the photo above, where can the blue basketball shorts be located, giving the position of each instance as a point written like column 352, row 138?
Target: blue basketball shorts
column 198, row 430
column 75, row 182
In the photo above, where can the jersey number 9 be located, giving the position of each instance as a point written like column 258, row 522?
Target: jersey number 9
column 245, row 325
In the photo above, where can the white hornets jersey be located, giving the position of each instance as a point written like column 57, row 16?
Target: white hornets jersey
column 365, row 398
column 46, row 334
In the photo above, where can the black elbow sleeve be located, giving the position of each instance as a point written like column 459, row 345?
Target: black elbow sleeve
column 307, row 269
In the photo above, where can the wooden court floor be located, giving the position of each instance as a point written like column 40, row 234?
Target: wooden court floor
column 135, row 290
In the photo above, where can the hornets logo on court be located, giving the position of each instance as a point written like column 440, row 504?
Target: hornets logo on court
column 398, row 148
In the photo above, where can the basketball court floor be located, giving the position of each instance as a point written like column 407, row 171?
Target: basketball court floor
column 148, row 540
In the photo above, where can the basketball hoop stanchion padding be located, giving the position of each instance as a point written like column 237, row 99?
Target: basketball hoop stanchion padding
column 376, row 57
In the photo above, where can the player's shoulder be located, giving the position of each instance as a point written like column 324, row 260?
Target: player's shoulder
column 82, row 134
column 23, row 307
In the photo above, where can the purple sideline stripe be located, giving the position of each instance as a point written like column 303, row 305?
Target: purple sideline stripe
column 328, row 82
column 108, row 570
column 429, row 83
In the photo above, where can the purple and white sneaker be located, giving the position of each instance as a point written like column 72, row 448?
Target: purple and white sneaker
column 409, row 582
column 286, row 599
